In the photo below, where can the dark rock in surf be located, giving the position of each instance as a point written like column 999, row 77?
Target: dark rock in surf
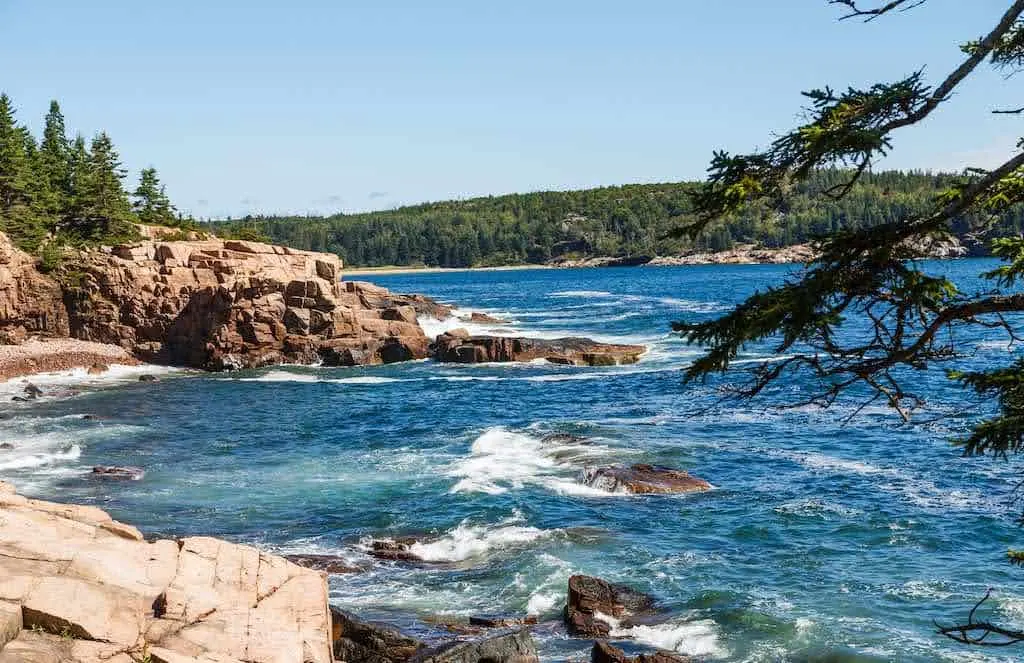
column 356, row 640
column 6, row 446
column 511, row 647
column 501, row 621
column 148, row 378
column 643, row 480
column 398, row 550
column 589, row 595
column 604, row 652
column 325, row 563
column 461, row 349
column 126, row 473
column 32, row 391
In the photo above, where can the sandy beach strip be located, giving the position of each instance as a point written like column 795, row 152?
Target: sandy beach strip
column 50, row 355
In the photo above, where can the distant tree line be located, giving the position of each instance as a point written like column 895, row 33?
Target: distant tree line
column 57, row 191
column 627, row 220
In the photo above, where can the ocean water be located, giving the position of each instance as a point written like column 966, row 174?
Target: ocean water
column 823, row 539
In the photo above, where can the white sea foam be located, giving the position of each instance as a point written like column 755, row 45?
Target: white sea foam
column 582, row 293
column 469, row 541
column 80, row 377
column 32, row 460
column 501, row 460
column 367, row 379
column 283, row 376
column 695, row 638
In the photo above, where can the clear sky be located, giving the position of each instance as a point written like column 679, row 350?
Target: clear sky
column 329, row 105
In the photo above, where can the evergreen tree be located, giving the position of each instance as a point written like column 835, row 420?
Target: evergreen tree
column 151, row 203
column 55, row 161
column 101, row 208
column 16, row 176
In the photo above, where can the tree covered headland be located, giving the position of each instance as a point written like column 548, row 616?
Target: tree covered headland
column 56, row 190
column 906, row 315
column 611, row 221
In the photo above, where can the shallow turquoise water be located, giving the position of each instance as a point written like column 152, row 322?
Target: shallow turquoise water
column 820, row 539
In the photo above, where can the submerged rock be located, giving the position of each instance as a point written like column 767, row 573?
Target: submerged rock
column 589, row 596
column 643, row 479
column 325, row 563
column 564, row 438
column 511, row 647
column 32, row 391
column 6, row 446
column 462, row 349
column 501, row 621
column 367, row 642
column 146, row 377
column 127, row 473
column 97, row 369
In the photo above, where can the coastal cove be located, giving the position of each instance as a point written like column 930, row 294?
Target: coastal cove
column 815, row 533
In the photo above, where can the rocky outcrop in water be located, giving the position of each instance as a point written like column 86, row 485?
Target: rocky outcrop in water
column 590, row 597
column 607, row 653
column 515, row 646
column 643, row 479
column 79, row 587
column 217, row 304
column 457, row 346
column 30, row 302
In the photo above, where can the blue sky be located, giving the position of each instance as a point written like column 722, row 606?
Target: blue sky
column 322, row 106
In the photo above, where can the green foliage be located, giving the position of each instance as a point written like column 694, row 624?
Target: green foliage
column 615, row 221
column 58, row 192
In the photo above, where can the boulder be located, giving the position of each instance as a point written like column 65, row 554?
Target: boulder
column 394, row 549
column 575, row 351
column 510, row 647
column 591, row 597
column 501, row 621
column 366, row 642
column 643, row 479
column 603, row 652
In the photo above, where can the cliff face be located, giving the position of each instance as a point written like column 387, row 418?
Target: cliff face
column 217, row 304
column 78, row 587
column 30, row 302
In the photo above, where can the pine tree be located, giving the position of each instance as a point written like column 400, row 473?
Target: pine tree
column 55, row 161
column 151, row 203
column 101, row 211
column 17, row 218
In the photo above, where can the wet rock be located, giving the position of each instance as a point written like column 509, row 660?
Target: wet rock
column 511, row 647
column 6, row 446
column 97, row 369
column 643, row 479
column 604, row 652
column 460, row 349
column 394, row 549
column 483, row 318
column 146, row 377
column 589, row 596
column 32, row 391
column 366, row 642
column 92, row 417
column 127, row 473
column 325, row 563
column 501, row 621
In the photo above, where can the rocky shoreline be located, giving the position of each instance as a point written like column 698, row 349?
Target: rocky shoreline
column 77, row 586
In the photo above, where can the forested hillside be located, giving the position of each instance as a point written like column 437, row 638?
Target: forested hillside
column 57, row 191
column 614, row 221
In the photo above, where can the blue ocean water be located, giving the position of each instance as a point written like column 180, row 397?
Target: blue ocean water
column 823, row 540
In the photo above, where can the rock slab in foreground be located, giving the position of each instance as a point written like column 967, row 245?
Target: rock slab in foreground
column 510, row 647
column 459, row 347
column 90, row 589
column 590, row 598
column 643, row 479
